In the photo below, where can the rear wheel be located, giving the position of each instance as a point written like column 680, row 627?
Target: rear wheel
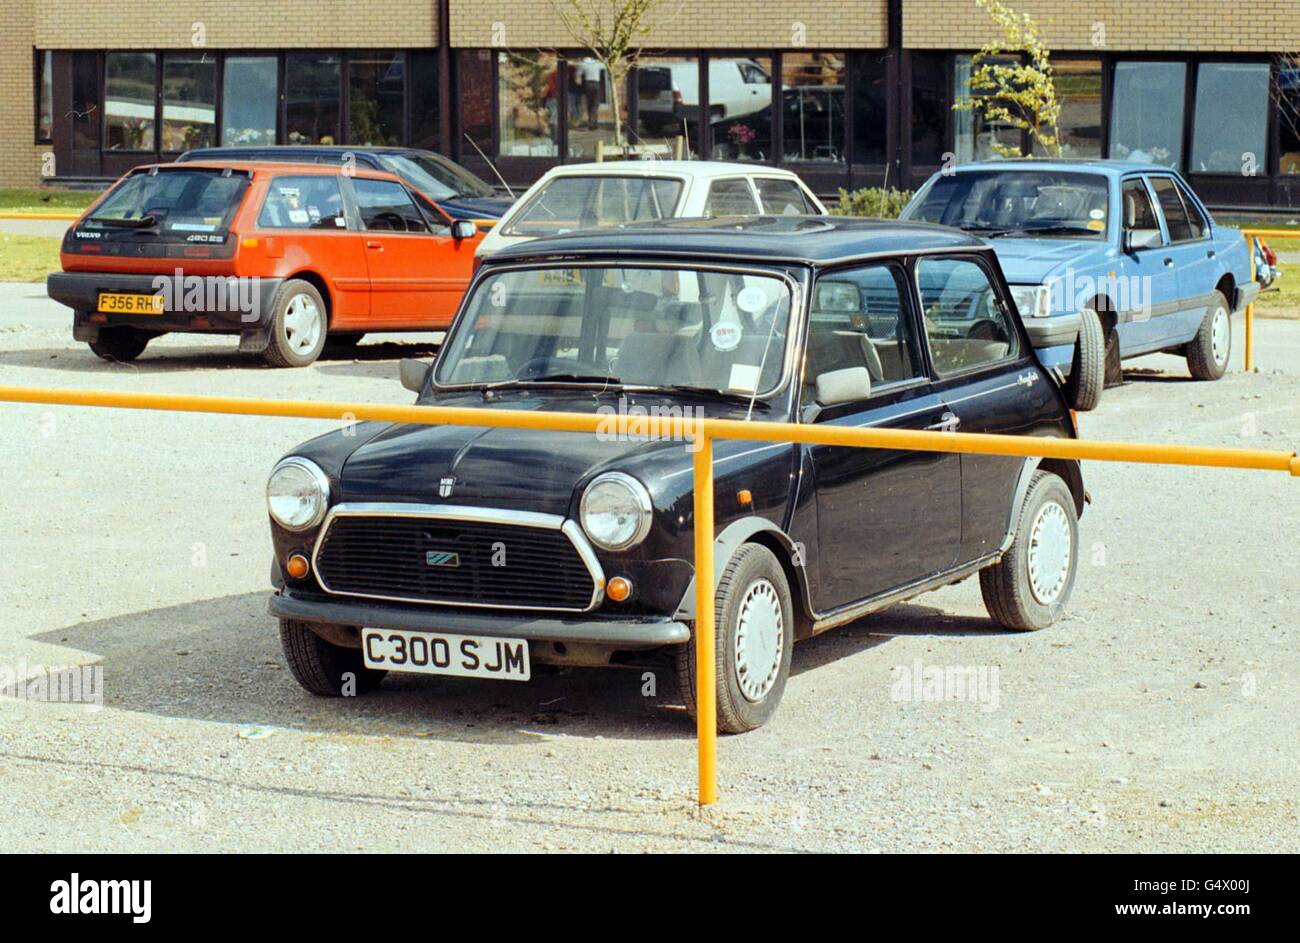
column 298, row 326
column 1114, row 368
column 1208, row 353
column 1088, row 371
column 323, row 668
column 121, row 344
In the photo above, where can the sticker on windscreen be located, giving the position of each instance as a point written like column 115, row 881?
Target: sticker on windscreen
column 744, row 377
column 725, row 336
column 1097, row 214
column 751, row 300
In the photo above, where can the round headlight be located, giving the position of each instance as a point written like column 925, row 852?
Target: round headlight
column 297, row 494
column 616, row 511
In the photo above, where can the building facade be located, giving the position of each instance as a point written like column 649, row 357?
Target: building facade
column 848, row 94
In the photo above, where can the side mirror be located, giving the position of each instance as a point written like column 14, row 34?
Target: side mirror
column 843, row 386
column 463, row 229
column 413, row 373
column 1135, row 239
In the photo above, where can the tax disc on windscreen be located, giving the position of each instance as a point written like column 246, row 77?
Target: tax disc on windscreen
column 751, row 300
column 725, row 336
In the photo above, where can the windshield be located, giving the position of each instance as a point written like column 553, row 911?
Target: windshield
column 1018, row 203
column 660, row 327
column 435, row 178
column 568, row 203
column 178, row 201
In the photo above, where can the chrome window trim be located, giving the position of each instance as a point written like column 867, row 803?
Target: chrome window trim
column 475, row 515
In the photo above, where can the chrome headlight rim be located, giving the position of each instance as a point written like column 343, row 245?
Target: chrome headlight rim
column 1039, row 296
column 322, row 484
column 639, row 494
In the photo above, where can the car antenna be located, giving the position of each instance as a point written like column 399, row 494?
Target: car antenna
column 490, row 164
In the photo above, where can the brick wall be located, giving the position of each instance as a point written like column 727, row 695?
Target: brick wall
column 19, row 157
column 1116, row 25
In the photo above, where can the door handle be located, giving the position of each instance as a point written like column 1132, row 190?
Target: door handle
column 1169, row 262
column 949, row 422
column 374, row 244
column 1210, row 253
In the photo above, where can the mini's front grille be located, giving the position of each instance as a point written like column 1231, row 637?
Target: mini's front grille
column 453, row 562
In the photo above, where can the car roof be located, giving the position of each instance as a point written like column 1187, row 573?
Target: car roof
column 1097, row 165
column 259, row 167
column 690, row 169
column 816, row 240
column 206, row 153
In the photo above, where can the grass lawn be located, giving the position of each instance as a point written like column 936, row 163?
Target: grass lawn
column 1283, row 300
column 45, row 200
column 27, row 258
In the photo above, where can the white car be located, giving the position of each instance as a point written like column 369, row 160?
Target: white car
column 669, row 93
column 583, row 196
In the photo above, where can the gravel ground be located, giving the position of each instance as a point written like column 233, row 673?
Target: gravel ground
column 1160, row 716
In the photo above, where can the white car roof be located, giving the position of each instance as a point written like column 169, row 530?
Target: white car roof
column 692, row 169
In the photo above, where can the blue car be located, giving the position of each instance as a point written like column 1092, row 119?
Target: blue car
column 458, row 191
column 1106, row 260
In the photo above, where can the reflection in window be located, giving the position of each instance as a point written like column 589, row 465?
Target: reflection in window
column 668, row 100
column 740, row 107
column 966, row 325
column 1078, row 88
column 812, row 106
column 474, row 108
column 1230, row 125
column 591, row 107
column 870, row 107
column 130, row 98
column 248, row 100
column 44, row 96
column 529, row 106
column 311, row 89
column 425, row 129
column 189, row 102
column 976, row 137
column 1146, row 121
column 376, row 98
column 929, row 107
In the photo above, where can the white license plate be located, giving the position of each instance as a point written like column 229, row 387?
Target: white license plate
column 466, row 656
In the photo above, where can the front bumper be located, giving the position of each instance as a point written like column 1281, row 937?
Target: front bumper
column 80, row 291
column 636, row 632
column 1053, row 331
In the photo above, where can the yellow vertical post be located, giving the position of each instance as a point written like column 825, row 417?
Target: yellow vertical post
column 706, row 697
column 1250, row 311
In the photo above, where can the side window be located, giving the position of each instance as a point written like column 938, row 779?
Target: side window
column 1171, row 204
column 966, row 326
column 859, row 319
column 781, row 197
column 1200, row 228
column 730, row 198
column 303, row 202
column 1139, row 214
column 386, row 207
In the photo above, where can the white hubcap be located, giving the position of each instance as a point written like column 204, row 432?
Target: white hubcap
column 302, row 323
column 1220, row 335
column 760, row 640
column 1049, row 553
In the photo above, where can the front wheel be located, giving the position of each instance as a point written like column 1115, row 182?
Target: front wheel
column 753, row 638
column 1029, row 587
column 1088, row 371
column 1207, row 354
column 323, row 668
column 298, row 325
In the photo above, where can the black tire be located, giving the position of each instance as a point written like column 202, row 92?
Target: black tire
column 1009, row 593
column 120, row 344
column 753, row 567
column 1207, row 360
column 289, row 347
column 341, row 345
column 321, row 667
column 1088, row 371
column 1114, row 366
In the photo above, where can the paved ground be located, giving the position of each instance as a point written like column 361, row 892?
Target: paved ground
column 1161, row 715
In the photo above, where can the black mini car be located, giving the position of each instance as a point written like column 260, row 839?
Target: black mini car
column 480, row 551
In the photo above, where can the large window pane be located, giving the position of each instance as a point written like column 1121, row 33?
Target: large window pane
column 812, row 106
column 870, row 107
column 668, row 100
column 528, row 88
column 85, row 101
column 376, row 98
column 130, row 97
column 249, row 100
column 977, row 138
column 591, row 107
column 1288, row 115
column 425, row 129
column 189, row 102
column 1146, row 121
column 1231, row 121
column 929, row 107
column 740, row 107
column 1078, row 88
column 311, row 88
column 44, row 96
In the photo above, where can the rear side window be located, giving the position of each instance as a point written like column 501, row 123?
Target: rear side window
column 966, row 327
column 730, row 198
column 176, row 201
column 782, row 197
column 568, row 203
column 1138, row 211
column 387, row 207
column 1171, row 204
column 1195, row 218
column 303, row 202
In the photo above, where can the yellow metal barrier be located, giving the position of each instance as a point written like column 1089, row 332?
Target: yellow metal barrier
column 705, row 430
column 54, row 216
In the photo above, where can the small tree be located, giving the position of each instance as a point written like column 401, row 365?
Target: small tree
column 612, row 31
column 1020, row 93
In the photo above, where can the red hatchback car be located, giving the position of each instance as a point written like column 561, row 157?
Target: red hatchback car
column 288, row 256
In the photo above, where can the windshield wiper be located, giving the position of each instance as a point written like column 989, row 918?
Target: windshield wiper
column 1058, row 229
column 144, row 222
column 987, row 230
column 557, row 378
column 729, row 395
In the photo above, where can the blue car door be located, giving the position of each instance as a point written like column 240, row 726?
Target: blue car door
column 1146, row 289
column 1193, row 260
